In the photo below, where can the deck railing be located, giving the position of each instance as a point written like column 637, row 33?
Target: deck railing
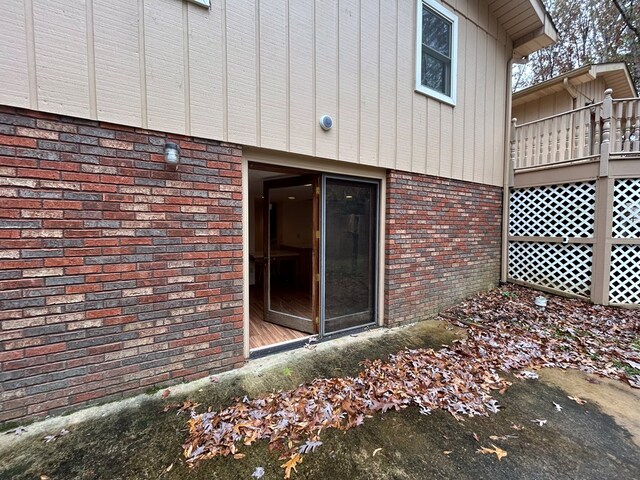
column 594, row 132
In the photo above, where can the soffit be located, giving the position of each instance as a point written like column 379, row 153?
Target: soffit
column 526, row 22
column 615, row 75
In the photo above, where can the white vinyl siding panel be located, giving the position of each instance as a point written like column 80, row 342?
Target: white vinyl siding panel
column 262, row 73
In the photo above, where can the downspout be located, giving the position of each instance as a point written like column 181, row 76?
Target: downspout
column 506, row 179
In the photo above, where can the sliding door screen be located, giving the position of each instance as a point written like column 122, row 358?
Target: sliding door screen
column 350, row 219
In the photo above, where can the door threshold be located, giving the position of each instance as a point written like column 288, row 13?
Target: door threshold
column 315, row 339
column 281, row 347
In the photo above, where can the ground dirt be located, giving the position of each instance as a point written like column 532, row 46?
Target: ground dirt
column 140, row 440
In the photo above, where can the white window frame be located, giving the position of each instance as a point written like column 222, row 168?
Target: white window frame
column 453, row 18
column 202, row 3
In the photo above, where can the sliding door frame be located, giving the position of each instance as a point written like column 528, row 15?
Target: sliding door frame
column 271, row 159
column 323, row 250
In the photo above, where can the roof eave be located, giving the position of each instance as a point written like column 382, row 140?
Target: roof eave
column 543, row 37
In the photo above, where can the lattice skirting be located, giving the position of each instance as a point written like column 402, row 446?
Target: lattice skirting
column 553, row 211
column 626, row 208
column 553, row 265
column 624, row 281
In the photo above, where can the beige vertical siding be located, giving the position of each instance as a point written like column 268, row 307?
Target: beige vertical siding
column 302, row 121
column 591, row 92
column 262, row 73
column 242, row 72
column 561, row 101
column 207, row 78
column 544, row 107
column 117, row 61
column 62, row 68
column 326, row 74
column 14, row 53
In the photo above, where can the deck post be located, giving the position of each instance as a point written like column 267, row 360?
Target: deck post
column 512, row 151
column 601, row 253
column 607, row 108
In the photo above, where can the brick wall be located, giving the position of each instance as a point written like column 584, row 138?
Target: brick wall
column 443, row 243
column 116, row 272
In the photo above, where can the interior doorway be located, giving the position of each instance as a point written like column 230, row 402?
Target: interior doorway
column 312, row 254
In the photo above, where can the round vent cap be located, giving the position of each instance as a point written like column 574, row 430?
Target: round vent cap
column 326, row 122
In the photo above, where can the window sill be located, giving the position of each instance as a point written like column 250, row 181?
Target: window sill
column 435, row 95
column 201, row 3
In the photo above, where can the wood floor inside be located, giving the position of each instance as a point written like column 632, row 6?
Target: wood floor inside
column 261, row 333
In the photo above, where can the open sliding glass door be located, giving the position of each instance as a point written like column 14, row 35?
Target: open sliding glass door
column 291, row 246
column 349, row 253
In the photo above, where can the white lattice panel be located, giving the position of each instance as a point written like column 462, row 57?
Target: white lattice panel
column 553, row 265
column 626, row 208
column 553, row 211
column 624, row 281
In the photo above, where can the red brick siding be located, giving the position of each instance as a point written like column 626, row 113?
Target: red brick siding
column 443, row 243
column 116, row 272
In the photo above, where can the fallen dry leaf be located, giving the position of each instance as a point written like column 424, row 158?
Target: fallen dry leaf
column 447, row 452
column 170, row 406
column 238, row 456
column 497, row 450
column 540, row 422
column 291, row 464
column 166, row 393
column 496, row 438
column 376, row 451
column 558, row 406
column 517, row 426
column 579, row 401
column 476, row 437
column 500, row 336
column 169, row 468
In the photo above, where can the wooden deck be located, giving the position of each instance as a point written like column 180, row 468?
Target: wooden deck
column 261, row 333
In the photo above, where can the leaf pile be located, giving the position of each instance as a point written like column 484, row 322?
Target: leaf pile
column 505, row 332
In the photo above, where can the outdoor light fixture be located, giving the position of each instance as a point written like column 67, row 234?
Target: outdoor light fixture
column 171, row 153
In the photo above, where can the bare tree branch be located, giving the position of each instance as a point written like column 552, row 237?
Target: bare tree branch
column 626, row 19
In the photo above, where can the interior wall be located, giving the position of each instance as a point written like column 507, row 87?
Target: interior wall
column 295, row 223
column 256, row 219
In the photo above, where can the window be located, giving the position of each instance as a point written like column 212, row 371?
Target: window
column 437, row 35
column 202, row 3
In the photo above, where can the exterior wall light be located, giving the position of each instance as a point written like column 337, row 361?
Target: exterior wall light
column 171, row 153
